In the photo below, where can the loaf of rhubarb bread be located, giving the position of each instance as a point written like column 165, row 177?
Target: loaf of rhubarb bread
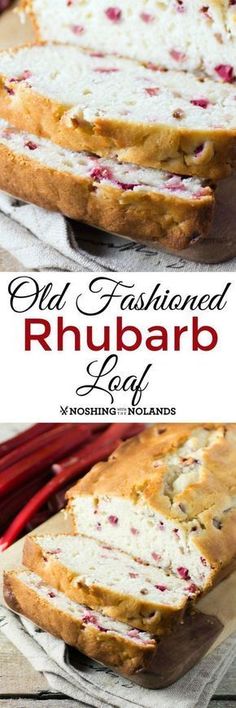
column 140, row 203
column 167, row 497
column 181, row 34
column 100, row 638
column 105, row 579
column 118, row 108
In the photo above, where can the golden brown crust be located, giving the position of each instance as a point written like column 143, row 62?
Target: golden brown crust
column 140, row 613
column 210, row 499
column 161, row 146
column 145, row 216
column 113, row 650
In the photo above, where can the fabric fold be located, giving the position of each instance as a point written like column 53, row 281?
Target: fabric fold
column 90, row 684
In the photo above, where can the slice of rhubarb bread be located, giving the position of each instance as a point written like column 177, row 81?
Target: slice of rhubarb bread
column 97, row 636
column 167, row 497
column 110, row 581
column 174, row 33
column 140, row 203
column 118, row 108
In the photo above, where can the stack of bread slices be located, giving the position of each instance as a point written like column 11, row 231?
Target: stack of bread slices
column 122, row 116
column 154, row 529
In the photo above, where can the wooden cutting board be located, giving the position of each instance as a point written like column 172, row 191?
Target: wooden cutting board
column 212, row 623
column 13, row 31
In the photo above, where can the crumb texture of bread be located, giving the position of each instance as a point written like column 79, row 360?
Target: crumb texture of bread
column 110, row 581
column 142, row 203
column 185, row 35
column 100, row 638
column 118, row 108
column 167, row 497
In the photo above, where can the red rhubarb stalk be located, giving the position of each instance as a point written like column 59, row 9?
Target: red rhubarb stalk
column 91, row 453
column 26, row 469
column 25, row 436
column 127, row 430
column 34, row 445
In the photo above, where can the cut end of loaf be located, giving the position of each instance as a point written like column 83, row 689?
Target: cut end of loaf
column 124, row 177
column 98, row 114
column 121, row 198
column 114, row 643
column 190, row 37
column 116, row 584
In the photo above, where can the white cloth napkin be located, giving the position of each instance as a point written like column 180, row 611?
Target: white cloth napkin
column 42, row 240
column 92, row 685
